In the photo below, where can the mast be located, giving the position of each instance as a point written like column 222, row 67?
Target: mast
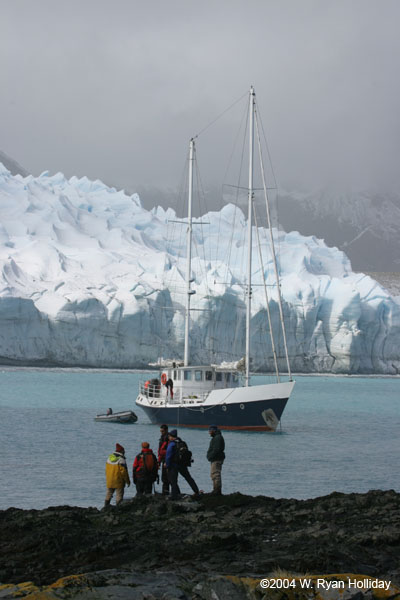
column 249, row 232
column 189, row 291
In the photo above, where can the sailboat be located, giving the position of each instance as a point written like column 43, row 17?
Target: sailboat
column 191, row 395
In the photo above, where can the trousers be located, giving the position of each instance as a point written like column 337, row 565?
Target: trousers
column 173, row 473
column 144, row 486
column 118, row 496
column 164, row 479
column 215, row 473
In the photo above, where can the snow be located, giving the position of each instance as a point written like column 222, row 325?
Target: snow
column 90, row 278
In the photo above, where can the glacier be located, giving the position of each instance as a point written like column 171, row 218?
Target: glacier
column 90, row 278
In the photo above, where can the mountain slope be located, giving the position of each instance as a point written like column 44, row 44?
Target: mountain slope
column 366, row 226
column 12, row 165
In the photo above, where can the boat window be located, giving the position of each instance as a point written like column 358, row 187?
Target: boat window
column 218, row 376
column 227, row 377
column 175, row 376
column 235, row 377
column 208, row 375
column 198, row 375
column 187, row 375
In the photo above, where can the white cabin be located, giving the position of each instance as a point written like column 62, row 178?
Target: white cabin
column 190, row 383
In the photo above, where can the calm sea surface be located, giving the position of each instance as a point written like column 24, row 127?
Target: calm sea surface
column 338, row 434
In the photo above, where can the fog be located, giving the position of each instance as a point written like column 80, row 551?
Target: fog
column 115, row 90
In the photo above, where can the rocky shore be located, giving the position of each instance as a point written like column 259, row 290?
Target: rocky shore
column 212, row 548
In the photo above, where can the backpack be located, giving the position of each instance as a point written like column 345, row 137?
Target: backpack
column 150, row 466
column 182, row 456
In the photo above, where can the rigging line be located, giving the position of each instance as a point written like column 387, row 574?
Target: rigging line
column 169, row 255
column 266, row 144
column 200, row 187
column 219, row 116
column 201, row 247
column 271, row 333
column 243, row 266
column 243, row 120
column 201, row 197
column 210, row 349
column 229, row 248
column 273, row 175
column 273, row 249
column 242, row 123
column 171, row 231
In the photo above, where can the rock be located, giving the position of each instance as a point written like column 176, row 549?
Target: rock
column 172, row 544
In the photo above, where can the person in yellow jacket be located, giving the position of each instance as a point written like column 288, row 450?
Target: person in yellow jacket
column 116, row 475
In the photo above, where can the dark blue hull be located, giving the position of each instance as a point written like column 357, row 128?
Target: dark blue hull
column 254, row 416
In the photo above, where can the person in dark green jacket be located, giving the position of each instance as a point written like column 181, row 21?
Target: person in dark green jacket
column 216, row 456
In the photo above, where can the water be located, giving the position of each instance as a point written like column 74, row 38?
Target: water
column 338, row 434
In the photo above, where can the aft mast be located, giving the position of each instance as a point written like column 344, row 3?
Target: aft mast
column 249, row 232
column 189, row 291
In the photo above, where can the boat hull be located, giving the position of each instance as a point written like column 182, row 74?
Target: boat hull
column 121, row 417
column 234, row 413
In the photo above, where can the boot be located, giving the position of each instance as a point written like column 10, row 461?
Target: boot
column 217, row 489
column 106, row 503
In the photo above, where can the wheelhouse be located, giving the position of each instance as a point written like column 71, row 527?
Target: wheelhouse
column 207, row 377
column 191, row 382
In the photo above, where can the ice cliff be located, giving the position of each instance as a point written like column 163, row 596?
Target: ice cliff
column 90, row 278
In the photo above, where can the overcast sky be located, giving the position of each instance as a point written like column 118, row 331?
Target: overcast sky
column 114, row 90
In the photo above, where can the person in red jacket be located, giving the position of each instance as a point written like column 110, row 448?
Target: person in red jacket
column 162, row 453
column 145, row 468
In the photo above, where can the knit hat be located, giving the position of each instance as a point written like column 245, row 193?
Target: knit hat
column 173, row 433
column 119, row 448
column 145, row 445
column 213, row 428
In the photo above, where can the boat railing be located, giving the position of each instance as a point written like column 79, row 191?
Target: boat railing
column 151, row 390
column 157, row 391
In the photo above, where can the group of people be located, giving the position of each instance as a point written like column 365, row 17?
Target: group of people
column 173, row 459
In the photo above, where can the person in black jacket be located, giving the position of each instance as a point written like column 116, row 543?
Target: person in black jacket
column 216, row 456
